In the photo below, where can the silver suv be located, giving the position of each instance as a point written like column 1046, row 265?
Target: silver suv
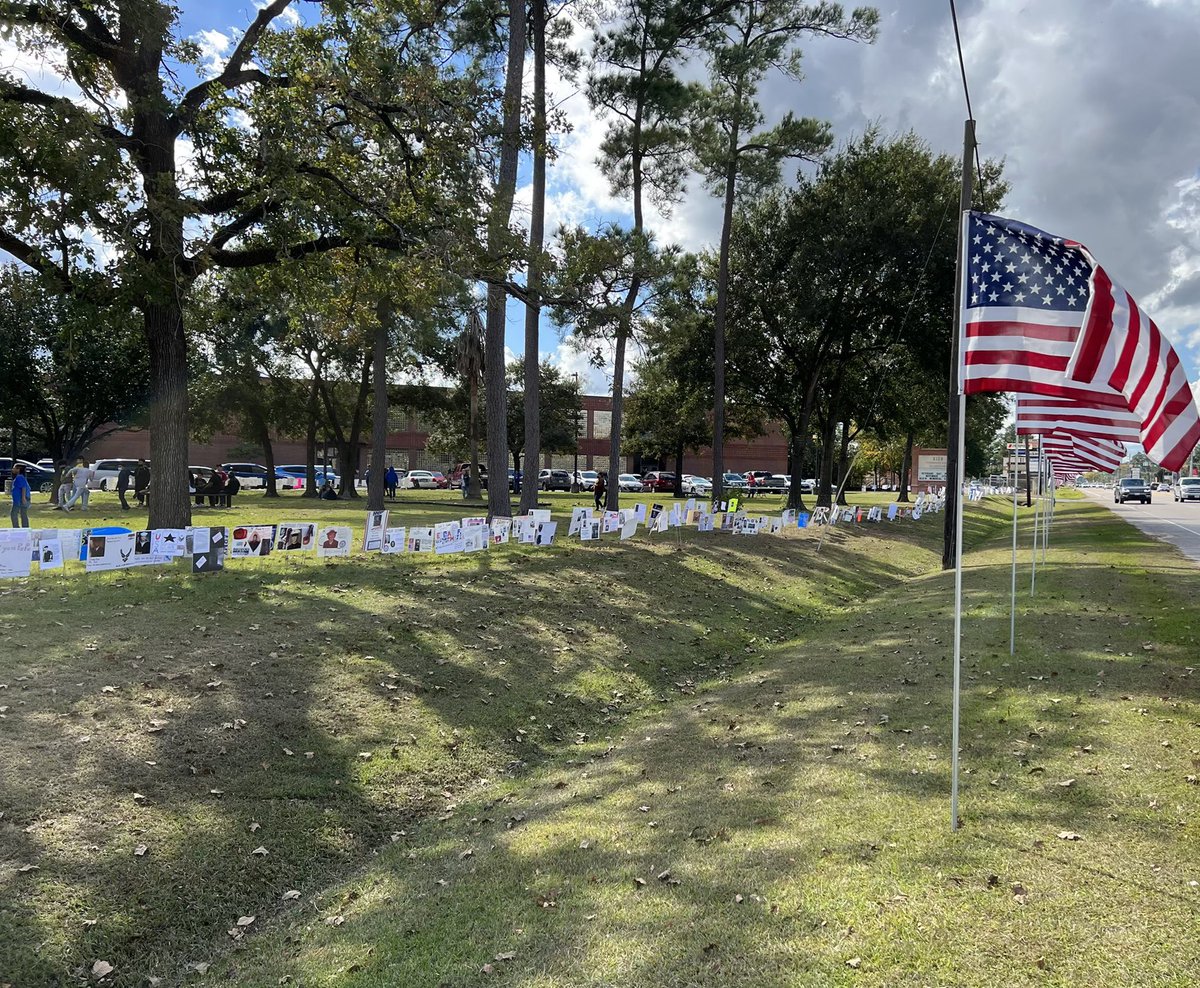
column 1187, row 489
column 1131, row 489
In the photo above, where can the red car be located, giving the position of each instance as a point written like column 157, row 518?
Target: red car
column 658, row 481
column 442, row 482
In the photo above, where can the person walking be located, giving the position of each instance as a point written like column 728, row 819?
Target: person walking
column 601, row 489
column 141, row 480
column 21, row 495
column 465, row 481
column 751, row 485
column 81, row 477
column 124, row 480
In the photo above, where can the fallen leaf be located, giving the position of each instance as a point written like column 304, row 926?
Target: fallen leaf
column 1068, row 835
column 507, row 956
column 1019, row 893
column 289, row 895
column 29, row 867
column 255, row 826
column 200, row 967
column 854, row 962
column 262, row 852
column 486, row 969
column 1067, row 783
column 245, row 921
column 639, row 882
column 738, row 898
column 334, row 920
column 101, row 969
column 140, row 850
column 468, row 853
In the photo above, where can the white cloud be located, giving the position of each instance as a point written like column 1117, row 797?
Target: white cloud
column 214, row 46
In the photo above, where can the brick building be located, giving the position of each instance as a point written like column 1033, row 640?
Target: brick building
column 409, row 431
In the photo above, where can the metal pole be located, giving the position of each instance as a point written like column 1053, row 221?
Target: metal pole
column 1012, row 613
column 956, row 408
column 1036, row 508
column 955, row 468
column 575, row 486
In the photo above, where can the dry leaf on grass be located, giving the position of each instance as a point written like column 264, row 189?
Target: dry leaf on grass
column 334, row 920
column 101, row 969
column 262, row 852
column 290, row 895
column 140, row 850
column 1068, row 835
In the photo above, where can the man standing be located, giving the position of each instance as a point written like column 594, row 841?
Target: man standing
column 124, row 478
column 81, row 478
column 390, row 480
column 20, row 496
column 141, row 480
column 601, row 489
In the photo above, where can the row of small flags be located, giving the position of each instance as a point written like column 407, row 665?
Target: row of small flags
column 208, row 547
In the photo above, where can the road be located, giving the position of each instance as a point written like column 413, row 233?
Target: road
column 1177, row 523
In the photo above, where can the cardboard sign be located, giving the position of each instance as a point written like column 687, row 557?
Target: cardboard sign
column 296, row 537
column 211, row 557
column 544, row 534
column 49, row 554
column 893, row 510
column 447, row 537
column 109, row 552
column 475, row 538
column 578, row 516
column 393, row 541
column 612, row 522
column 373, row 533
column 251, row 540
column 16, row 552
column 500, row 530
column 589, row 530
column 420, row 540
column 802, row 519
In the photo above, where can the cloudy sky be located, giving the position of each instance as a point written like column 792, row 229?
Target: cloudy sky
column 1093, row 105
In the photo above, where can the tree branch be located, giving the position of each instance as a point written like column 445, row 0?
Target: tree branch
column 233, row 74
column 28, row 254
column 12, row 92
column 96, row 40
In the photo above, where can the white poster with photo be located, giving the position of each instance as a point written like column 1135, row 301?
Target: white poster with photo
column 612, row 522
column 420, row 540
column 589, row 531
column 475, row 538
column 656, row 511
column 540, row 514
column 143, row 549
column 251, row 540
column 109, row 552
column 476, row 522
column 789, row 517
column 500, row 530
column 524, row 529
column 16, row 552
column 689, row 505
column 393, row 541
column 663, row 522
column 50, row 554
column 296, row 536
column 639, row 510
column 578, row 516
column 705, row 524
column 447, row 537
column 334, row 541
column 544, row 535
column 373, row 534
column 169, row 544
column 676, row 518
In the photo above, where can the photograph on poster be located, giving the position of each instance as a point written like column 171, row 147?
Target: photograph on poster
column 373, row 534
column 251, row 540
column 334, row 541
column 420, row 540
column 545, row 533
column 612, row 522
column 50, row 554
column 589, row 530
column 393, row 541
column 475, row 538
column 296, row 536
column 500, row 530
column 447, row 537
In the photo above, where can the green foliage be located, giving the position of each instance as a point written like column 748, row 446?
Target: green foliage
column 71, row 371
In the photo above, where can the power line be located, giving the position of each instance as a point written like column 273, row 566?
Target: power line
column 962, row 66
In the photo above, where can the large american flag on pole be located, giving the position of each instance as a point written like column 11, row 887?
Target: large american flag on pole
column 1098, row 454
column 1041, row 317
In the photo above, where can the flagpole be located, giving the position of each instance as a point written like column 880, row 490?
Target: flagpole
column 958, row 409
column 1036, row 508
column 1012, row 612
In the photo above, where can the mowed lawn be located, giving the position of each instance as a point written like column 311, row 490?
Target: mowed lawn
column 681, row 760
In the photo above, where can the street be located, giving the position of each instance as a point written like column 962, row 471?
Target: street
column 1177, row 523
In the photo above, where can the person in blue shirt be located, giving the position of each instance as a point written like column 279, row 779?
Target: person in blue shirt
column 390, row 480
column 21, row 495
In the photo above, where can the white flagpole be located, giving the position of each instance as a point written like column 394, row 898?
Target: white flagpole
column 960, row 465
column 1012, row 613
column 1037, row 504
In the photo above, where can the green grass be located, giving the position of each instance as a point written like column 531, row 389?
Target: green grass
column 782, row 715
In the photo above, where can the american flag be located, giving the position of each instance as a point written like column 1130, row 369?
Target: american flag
column 1099, row 454
column 1041, row 317
column 1037, row 416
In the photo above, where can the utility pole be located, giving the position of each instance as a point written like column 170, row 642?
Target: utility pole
column 953, row 494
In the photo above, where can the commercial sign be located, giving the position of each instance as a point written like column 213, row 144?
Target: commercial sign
column 931, row 468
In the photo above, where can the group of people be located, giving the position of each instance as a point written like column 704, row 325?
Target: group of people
column 391, row 481
column 219, row 487
column 139, row 478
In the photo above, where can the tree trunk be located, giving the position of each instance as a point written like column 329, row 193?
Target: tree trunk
column 613, row 491
column 537, row 233
column 473, row 484
column 797, row 443
column 348, row 446
column 824, row 491
column 268, row 448
column 679, row 468
column 906, row 468
column 379, row 416
column 310, row 444
column 843, row 463
column 170, row 504
column 499, row 505
column 718, row 442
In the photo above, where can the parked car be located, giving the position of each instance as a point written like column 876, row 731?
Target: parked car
column 300, row 472
column 1187, row 489
column 420, row 480
column 587, row 479
column 629, row 484
column 106, row 472
column 658, row 481
column 253, row 476
column 554, row 480
column 46, row 464
column 808, row 486
column 694, row 486
column 457, row 472
column 1131, row 489
column 781, row 481
column 439, row 478
column 729, row 480
column 40, row 479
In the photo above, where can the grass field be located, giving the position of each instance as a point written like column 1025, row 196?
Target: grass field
column 694, row 760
